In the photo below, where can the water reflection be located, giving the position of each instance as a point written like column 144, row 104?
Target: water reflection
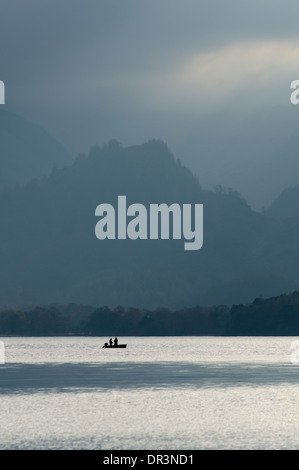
column 18, row 377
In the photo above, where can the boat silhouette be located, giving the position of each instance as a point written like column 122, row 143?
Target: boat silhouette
column 114, row 344
column 106, row 345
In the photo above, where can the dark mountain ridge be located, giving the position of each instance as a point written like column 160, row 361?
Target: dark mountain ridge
column 49, row 252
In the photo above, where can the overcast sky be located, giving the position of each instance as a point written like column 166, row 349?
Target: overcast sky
column 180, row 70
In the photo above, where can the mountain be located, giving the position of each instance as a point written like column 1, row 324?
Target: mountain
column 253, row 151
column 26, row 150
column 49, row 252
column 285, row 206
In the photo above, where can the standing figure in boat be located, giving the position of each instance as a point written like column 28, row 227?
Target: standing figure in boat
column 114, row 344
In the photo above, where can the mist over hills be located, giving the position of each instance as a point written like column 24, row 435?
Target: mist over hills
column 253, row 151
column 285, row 206
column 49, row 252
column 26, row 150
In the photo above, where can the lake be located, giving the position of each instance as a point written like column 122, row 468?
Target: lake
column 159, row 393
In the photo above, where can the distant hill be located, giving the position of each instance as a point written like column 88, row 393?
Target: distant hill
column 286, row 204
column 255, row 152
column 274, row 316
column 49, row 252
column 26, row 150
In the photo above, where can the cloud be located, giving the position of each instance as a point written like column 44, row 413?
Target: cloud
column 178, row 70
column 240, row 74
column 175, row 54
column 253, row 73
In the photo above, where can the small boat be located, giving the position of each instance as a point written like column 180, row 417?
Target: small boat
column 106, row 345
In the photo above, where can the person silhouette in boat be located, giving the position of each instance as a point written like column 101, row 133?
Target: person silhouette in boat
column 115, row 342
column 111, row 342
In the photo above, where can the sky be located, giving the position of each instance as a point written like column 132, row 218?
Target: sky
column 209, row 77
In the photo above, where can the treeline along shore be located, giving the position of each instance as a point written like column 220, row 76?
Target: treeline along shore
column 275, row 316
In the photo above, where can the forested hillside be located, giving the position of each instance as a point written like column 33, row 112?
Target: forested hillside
column 275, row 316
column 49, row 252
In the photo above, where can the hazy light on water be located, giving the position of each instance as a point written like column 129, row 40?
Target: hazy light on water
column 238, row 393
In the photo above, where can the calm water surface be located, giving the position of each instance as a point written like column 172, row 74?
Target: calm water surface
column 159, row 393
